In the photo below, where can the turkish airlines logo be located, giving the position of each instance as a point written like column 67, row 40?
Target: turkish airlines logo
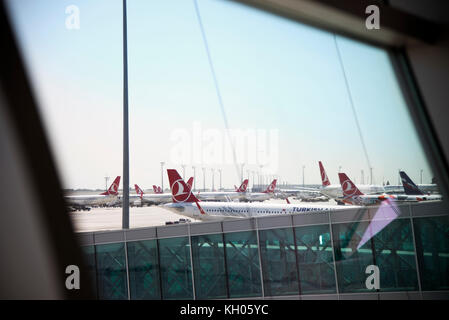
column 271, row 187
column 348, row 188
column 178, row 192
column 114, row 187
column 324, row 177
column 244, row 186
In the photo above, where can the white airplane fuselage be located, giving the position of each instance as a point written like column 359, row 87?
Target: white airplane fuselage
column 334, row 191
column 224, row 210
column 90, row 200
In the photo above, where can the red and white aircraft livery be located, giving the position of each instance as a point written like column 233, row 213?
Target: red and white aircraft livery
column 334, row 191
column 239, row 194
column 187, row 204
column 352, row 195
column 152, row 198
column 262, row 196
column 84, row 202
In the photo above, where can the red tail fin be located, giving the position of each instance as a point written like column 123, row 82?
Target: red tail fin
column 155, row 189
column 179, row 189
column 113, row 189
column 243, row 186
column 271, row 187
column 159, row 190
column 324, row 179
column 138, row 191
column 190, row 182
column 348, row 187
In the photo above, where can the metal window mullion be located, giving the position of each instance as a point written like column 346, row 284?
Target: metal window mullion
column 260, row 259
column 127, row 266
column 191, row 262
column 416, row 255
column 333, row 256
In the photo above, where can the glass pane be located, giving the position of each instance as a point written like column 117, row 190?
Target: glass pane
column 432, row 246
column 111, row 271
column 91, row 271
column 242, row 261
column 175, row 268
column 351, row 262
column 315, row 259
column 280, row 275
column 395, row 257
column 144, row 282
column 209, row 266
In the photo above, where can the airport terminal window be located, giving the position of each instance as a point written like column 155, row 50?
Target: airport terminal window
column 111, row 271
column 90, row 265
column 394, row 253
column 242, row 261
column 351, row 262
column 280, row 275
column 175, row 268
column 432, row 247
column 209, row 266
column 143, row 268
column 315, row 259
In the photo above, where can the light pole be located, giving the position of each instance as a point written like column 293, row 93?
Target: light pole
column 183, row 171
column 399, row 177
column 362, row 178
column 303, row 176
column 371, row 175
column 254, row 181
column 194, row 177
column 125, row 203
column 204, row 179
column 106, row 182
column 213, row 175
column 162, row 175
column 219, row 170
column 420, row 172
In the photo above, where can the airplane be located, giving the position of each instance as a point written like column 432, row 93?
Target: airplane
column 352, row 195
column 152, row 198
column 413, row 192
column 85, row 202
column 239, row 194
column 184, row 202
column 334, row 191
column 157, row 189
column 262, row 196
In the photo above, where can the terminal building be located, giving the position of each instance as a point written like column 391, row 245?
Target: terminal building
column 303, row 256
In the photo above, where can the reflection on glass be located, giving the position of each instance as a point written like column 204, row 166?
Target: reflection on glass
column 432, row 247
column 175, row 268
column 280, row 274
column 144, row 282
column 242, row 261
column 111, row 271
column 315, row 259
column 209, row 266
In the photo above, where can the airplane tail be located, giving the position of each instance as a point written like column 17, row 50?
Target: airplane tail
column 348, row 187
column 155, row 189
column 324, row 179
column 180, row 191
column 138, row 191
column 410, row 187
column 243, row 186
column 271, row 187
column 159, row 190
column 190, row 182
column 113, row 189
